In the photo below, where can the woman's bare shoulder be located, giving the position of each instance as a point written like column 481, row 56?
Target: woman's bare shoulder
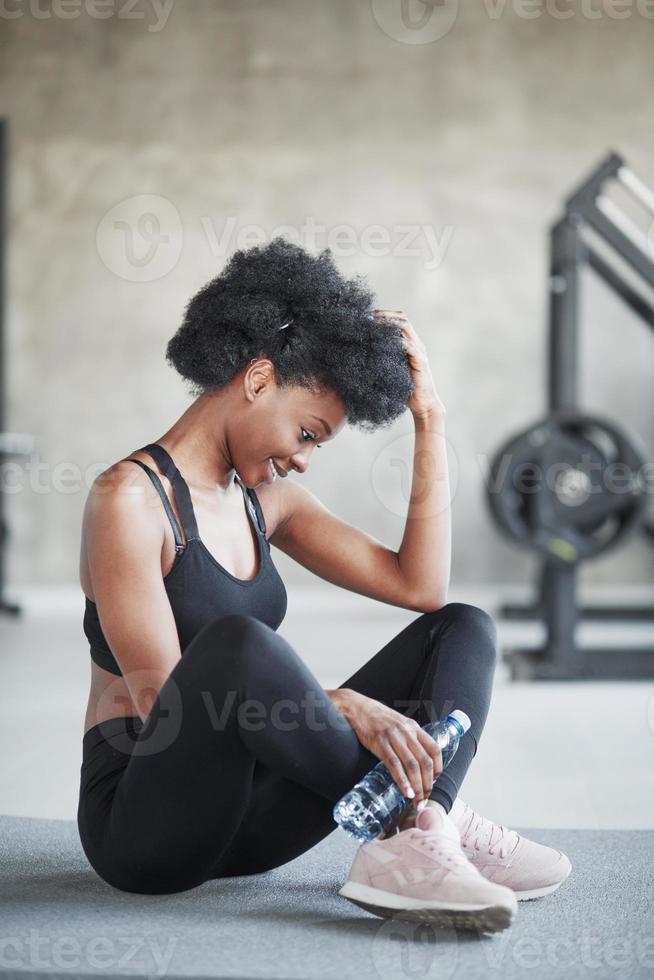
column 272, row 500
column 122, row 499
column 122, row 484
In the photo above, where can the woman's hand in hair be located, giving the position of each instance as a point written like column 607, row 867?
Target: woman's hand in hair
column 424, row 400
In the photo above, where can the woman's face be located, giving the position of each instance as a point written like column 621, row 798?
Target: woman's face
column 280, row 427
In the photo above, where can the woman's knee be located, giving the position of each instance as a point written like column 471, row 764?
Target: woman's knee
column 238, row 639
column 469, row 613
column 471, row 619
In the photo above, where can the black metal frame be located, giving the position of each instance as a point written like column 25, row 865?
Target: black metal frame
column 561, row 657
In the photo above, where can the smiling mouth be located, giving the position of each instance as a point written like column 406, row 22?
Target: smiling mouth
column 280, row 472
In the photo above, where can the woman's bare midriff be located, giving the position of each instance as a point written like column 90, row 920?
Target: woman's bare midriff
column 109, row 695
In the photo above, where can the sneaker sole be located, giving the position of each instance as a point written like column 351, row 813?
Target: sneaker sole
column 481, row 918
column 525, row 896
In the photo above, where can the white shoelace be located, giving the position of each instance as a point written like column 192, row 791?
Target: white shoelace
column 479, row 829
column 443, row 846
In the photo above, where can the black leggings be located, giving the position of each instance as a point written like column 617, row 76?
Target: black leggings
column 237, row 767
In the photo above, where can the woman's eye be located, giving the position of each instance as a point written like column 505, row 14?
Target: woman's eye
column 305, row 432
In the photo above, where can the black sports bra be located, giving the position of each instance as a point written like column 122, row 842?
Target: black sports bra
column 198, row 587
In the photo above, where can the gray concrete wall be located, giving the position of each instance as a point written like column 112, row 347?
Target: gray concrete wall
column 218, row 116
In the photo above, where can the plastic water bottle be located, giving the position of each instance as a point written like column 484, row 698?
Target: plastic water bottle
column 376, row 803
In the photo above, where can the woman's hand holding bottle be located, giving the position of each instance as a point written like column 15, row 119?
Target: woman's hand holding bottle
column 411, row 755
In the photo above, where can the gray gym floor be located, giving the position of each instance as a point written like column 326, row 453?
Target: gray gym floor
column 60, row 920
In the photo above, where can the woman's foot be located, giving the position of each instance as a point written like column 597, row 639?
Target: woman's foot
column 421, row 873
column 503, row 856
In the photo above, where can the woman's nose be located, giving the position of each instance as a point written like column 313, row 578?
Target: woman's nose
column 299, row 462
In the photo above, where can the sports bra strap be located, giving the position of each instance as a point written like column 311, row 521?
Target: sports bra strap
column 180, row 489
column 179, row 540
column 253, row 501
column 183, row 496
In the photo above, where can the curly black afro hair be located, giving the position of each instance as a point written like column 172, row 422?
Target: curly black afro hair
column 333, row 341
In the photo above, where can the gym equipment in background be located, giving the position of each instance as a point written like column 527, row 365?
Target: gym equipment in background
column 11, row 443
column 573, row 486
column 594, row 493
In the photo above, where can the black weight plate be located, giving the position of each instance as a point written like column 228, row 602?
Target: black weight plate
column 570, row 486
